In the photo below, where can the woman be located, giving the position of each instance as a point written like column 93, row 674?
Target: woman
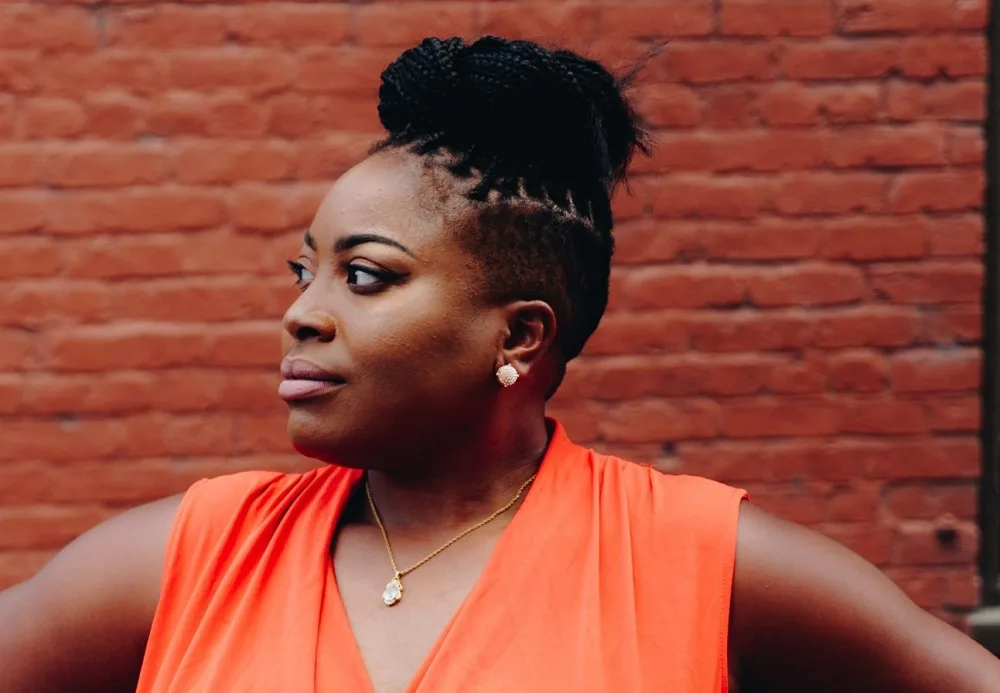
column 457, row 540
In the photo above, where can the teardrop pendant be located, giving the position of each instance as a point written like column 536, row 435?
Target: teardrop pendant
column 393, row 592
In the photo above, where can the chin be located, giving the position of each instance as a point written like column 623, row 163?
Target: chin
column 319, row 437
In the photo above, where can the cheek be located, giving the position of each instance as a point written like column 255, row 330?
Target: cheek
column 426, row 340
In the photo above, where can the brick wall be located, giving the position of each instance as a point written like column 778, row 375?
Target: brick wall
column 796, row 304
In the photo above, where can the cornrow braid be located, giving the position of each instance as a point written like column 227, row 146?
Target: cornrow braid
column 546, row 137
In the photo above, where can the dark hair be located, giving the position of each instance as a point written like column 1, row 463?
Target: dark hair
column 550, row 136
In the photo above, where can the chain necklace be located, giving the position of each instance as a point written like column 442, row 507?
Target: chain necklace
column 393, row 593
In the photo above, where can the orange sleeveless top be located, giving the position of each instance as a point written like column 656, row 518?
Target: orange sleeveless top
column 611, row 576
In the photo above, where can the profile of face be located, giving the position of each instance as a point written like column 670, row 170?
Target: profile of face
column 393, row 310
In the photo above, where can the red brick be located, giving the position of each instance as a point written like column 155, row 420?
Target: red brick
column 46, row 28
column 405, row 26
column 656, row 420
column 141, row 209
column 75, row 76
column 796, row 504
column 962, row 101
column 950, row 56
column 857, row 501
column 971, row 14
column 20, row 165
column 670, row 105
column 569, row 24
column 776, row 18
column 874, row 238
column 21, row 212
column 677, row 287
column 954, row 414
column 867, row 326
column 857, row 371
column 826, row 193
column 917, row 501
column 922, row 458
column 45, row 302
column 125, row 345
column 966, row 146
column 50, row 118
column 46, row 527
column 791, row 103
column 773, row 461
column 954, row 324
column 166, row 26
column 712, row 197
column 750, row 331
column 710, row 62
column 288, row 24
column 210, row 299
column 927, row 282
column 28, row 257
column 917, row 543
column 259, row 71
column 808, row 376
column 298, row 115
column 341, row 70
column 328, row 157
column 839, row 59
column 115, row 115
column 7, row 115
column 936, row 370
column 871, row 542
column 639, row 333
column 650, row 240
column 956, row 237
column 806, row 285
column 100, row 165
column 903, row 16
column 780, row 417
column 730, row 106
column 244, row 344
column 683, row 18
column 887, row 147
column 215, row 162
column 882, row 416
column 16, row 349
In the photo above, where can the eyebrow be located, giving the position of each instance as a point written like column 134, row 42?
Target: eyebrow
column 354, row 240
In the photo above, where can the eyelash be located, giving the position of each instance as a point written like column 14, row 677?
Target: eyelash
column 382, row 277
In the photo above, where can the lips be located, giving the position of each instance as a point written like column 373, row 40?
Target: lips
column 304, row 380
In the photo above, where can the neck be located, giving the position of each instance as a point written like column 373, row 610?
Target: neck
column 475, row 476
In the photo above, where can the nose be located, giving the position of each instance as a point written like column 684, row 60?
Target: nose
column 306, row 323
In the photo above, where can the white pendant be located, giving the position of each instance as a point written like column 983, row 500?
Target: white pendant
column 393, row 592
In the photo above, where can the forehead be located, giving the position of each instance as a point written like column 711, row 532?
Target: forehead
column 389, row 193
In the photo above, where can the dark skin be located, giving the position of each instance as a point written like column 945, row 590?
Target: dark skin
column 416, row 343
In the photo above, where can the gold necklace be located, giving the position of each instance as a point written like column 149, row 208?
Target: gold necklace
column 393, row 593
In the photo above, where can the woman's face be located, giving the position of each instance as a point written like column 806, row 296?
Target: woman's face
column 392, row 316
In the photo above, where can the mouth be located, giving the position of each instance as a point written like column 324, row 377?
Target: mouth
column 304, row 380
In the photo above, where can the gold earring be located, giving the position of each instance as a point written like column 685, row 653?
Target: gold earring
column 507, row 375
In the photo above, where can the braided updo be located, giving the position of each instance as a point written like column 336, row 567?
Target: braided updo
column 546, row 137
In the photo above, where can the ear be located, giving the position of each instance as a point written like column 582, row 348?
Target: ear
column 530, row 334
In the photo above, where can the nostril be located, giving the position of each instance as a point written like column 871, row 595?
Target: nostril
column 305, row 333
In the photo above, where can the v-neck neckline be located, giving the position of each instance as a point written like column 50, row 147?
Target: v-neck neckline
column 558, row 441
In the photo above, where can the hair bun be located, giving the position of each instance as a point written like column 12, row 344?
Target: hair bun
column 519, row 105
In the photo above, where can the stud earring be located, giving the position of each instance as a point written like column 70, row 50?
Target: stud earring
column 507, row 375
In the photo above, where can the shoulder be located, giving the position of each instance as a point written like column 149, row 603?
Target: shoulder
column 83, row 620
column 222, row 506
column 650, row 486
column 807, row 612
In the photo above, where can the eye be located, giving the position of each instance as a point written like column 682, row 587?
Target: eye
column 363, row 278
column 303, row 277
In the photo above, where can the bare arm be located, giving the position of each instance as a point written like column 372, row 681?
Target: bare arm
column 809, row 615
column 81, row 624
